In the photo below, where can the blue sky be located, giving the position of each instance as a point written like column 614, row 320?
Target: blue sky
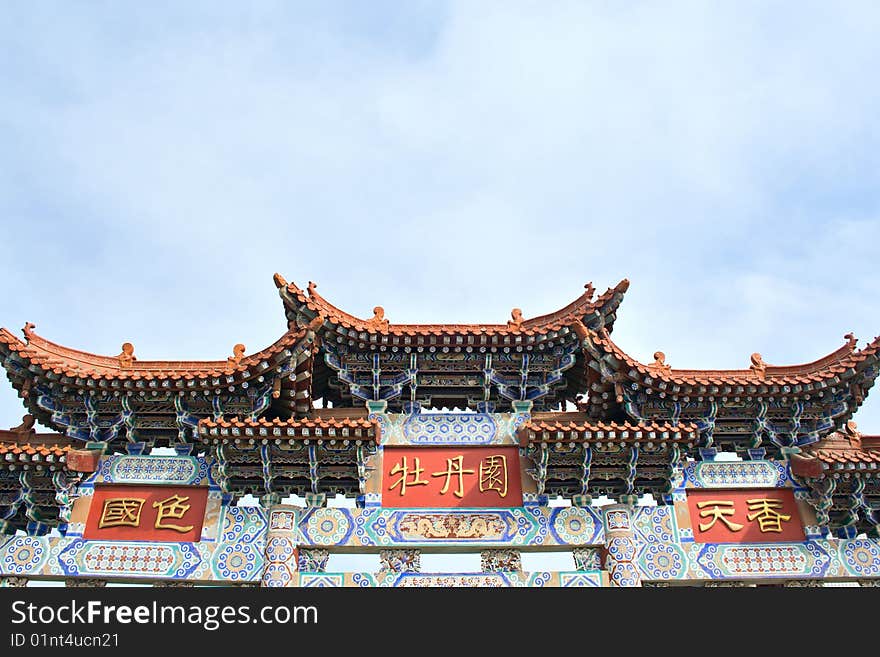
column 448, row 161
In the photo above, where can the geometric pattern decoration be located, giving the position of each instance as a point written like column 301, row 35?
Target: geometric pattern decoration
column 736, row 474
column 383, row 527
column 728, row 560
column 184, row 470
column 659, row 561
column 23, row 555
column 655, row 524
column 281, row 550
column 620, row 547
column 430, row 580
column 449, row 428
column 105, row 558
column 241, row 561
column 238, row 557
column 581, row 579
column 860, row 557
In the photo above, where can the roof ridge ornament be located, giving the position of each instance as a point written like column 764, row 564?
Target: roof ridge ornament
column 311, row 289
column 237, row 354
column 126, row 357
column 28, row 329
column 758, row 365
column 378, row 320
column 659, row 364
column 851, row 340
column 590, row 291
column 280, row 282
column 516, row 319
column 851, row 431
column 26, row 426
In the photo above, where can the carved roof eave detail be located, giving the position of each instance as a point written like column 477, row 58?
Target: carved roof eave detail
column 317, row 429
column 25, row 446
column 578, row 428
column 846, row 452
column 76, row 368
column 840, row 365
column 305, row 306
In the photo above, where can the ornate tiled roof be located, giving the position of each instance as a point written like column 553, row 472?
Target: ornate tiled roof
column 317, row 428
column 833, row 365
column 64, row 361
column 23, row 445
column 584, row 308
column 841, row 451
column 578, row 427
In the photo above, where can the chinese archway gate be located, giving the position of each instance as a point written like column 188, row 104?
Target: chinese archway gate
column 550, row 438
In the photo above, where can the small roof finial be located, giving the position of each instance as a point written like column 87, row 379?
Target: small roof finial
column 378, row 320
column 311, row 288
column 659, row 362
column 237, row 354
column 28, row 329
column 26, row 426
column 590, row 290
column 279, row 280
column 758, row 365
column 516, row 319
column 127, row 357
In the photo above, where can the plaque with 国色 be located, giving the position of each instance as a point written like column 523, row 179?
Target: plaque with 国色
column 147, row 513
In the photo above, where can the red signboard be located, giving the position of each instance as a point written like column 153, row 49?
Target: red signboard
column 451, row 477
column 744, row 516
column 147, row 513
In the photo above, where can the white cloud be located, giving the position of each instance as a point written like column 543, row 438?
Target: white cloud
column 725, row 161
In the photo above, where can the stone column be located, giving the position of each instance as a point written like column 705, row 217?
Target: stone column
column 280, row 566
column 620, row 546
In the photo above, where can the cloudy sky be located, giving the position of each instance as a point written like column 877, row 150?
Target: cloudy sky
column 449, row 161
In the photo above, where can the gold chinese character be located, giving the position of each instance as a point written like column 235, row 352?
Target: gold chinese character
column 493, row 474
column 404, row 473
column 173, row 507
column 121, row 511
column 719, row 511
column 454, row 468
column 767, row 514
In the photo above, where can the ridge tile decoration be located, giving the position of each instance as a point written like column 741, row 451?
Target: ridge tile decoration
column 439, row 477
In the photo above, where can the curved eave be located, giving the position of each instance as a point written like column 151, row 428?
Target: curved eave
column 56, row 362
column 839, row 453
column 843, row 363
column 303, row 307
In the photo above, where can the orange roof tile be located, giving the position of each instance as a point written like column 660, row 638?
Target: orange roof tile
column 759, row 373
column 577, row 427
column 64, row 361
column 317, row 428
column 846, row 450
column 27, row 452
column 581, row 307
